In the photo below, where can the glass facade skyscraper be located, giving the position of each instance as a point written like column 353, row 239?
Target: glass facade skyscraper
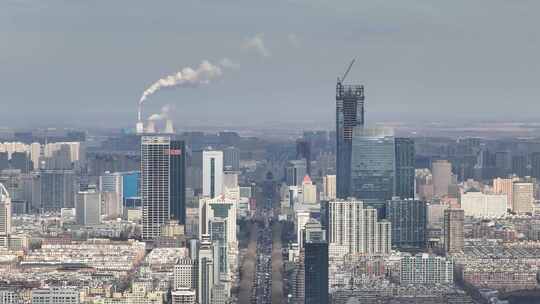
column 409, row 219
column 349, row 114
column 373, row 163
column 162, row 183
column 405, row 156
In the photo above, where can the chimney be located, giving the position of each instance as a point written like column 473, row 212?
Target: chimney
column 169, row 129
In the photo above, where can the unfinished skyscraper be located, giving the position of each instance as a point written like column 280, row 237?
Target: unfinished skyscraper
column 349, row 114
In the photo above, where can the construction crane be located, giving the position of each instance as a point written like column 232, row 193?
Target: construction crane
column 342, row 79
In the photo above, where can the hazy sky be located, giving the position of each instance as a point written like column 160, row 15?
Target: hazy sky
column 88, row 61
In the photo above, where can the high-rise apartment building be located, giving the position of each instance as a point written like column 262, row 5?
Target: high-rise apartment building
column 329, row 187
column 212, row 173
column 409, row 220
column 426, row 269
column 505, row 186
column 480, row 204
column 441, row 171
column 349, row 114
column 522, row 197
column 185, row 274
column 355, row 226
column 316, row 266
column 372, row 164
column 405, row 157
column 453, row 236
column 162, row 183
column 88, row 208
column 5, row 212
column 57, row 189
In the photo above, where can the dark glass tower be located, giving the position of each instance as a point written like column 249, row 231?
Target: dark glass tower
column 372, row 164
column 408, row 218
column 405, row 155
column 178, row 181
column 316, row 265
column 349, row 114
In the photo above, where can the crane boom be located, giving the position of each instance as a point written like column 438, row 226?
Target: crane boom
column 348, row 70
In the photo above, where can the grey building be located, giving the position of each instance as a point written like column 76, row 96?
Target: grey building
column 373, row 163
column 57, row 189
column 349, row 114
column 295, row 172
column 405, row 155
column 409, row 220
column 231, row 158
column 88, row 208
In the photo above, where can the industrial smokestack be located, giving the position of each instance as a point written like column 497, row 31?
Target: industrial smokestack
column 169, row 126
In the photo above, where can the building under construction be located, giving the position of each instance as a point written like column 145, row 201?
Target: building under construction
column 349, row 114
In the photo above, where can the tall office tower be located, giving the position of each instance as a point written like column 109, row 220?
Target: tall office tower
column 442, row 177
column 505, row 186
column 212, row 173
column 349, row 114
column 316, row 265
column 372, row 164
column 88, row 208
column 185, row 274
column 519, row 165
column 453, row 222
column 295, row 171
column 184, row 296
column 206, row 271
column 405, row 157
column 222, row 208
column 5, row 212
column 111, row 188
column 522, row 197
column 309, row 191
column 162, row 183
column 217, row 228
column 231, row 158
column 57, row 189
column 354, row 225
column 329, row 187
column 409, row 219
column 303, row 151
column 535, row 165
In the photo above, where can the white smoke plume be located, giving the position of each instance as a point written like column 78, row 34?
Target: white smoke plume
column 187, row 77
column 228, row 63
column 165, row 110
column 257, row 43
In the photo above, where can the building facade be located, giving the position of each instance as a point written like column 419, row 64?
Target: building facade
column 405, row 157
column 212, row 173
column 409, row 220
column 372, row 164
column 349, row 114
